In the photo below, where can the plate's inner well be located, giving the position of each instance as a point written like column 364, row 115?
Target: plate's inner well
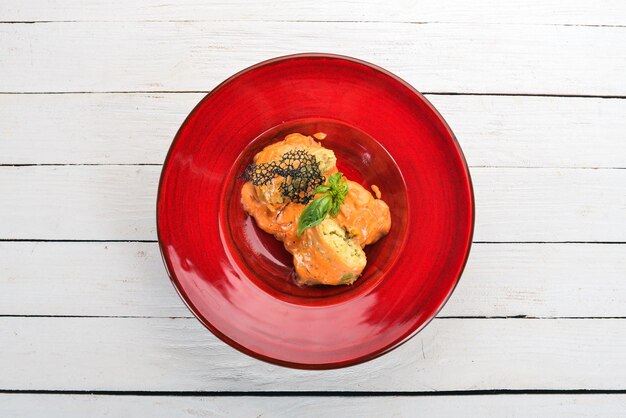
column 362, row 159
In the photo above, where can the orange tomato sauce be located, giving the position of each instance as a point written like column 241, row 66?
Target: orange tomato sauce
column 364, row 217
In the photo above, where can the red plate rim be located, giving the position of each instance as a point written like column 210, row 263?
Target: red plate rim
column 398, row 341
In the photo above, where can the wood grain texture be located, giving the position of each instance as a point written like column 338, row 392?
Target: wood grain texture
column 549, row 204
column 495, row 406
column 603, row 12
column 542, row 280
column 181, row 355
column 128, row 279
column 118, row 203
column 90, row 279
column 91, row 128
column 537, row 47
column 513, row 131
column 459, row 57
column 93, row 203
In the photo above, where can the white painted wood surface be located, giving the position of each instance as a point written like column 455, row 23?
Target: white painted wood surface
column 163, row 354
column 511, row 131
column 541, row 305
column 437, row 57
column 576, row 12
column 513, row 406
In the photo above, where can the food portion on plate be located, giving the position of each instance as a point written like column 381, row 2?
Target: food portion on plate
column 294, row 191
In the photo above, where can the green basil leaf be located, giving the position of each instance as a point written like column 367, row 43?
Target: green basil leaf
column 322, row 189
column 314, row 213
column 333, row 180
column 344, row 189
column 335, row 209
column 340, row 191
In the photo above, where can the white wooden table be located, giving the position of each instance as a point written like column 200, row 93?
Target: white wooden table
column 93, row 91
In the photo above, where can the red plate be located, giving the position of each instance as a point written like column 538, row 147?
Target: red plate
column 238, row 280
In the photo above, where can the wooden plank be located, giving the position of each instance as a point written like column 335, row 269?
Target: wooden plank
column 83, row 278
column 549, row 205
column 102, row 129
column 157, row 56
column 118, row 203
column 542, row 280
column 603, row 12
column 138, row 128
column 181, row 355
column 128, row 279
column 537, row 131
column 496, row 406
column 70, row 202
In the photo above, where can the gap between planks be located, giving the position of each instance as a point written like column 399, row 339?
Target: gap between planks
column 481, row 392
column 431, row 93
column 192, row 317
